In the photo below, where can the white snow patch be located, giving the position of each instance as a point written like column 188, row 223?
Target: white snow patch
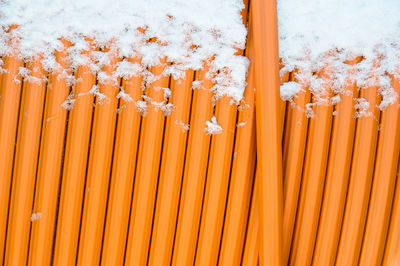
column 362, row 107
column 186, row 33
column 196, row 84
column 68, row 104
column 241, row 124
column 185, row 127
column 213, row 127
column 100, row 97
column 316, row 34
column 124, row 96
column 36, row 216
column 289, row 90
column 167, row 108
column 141, row 107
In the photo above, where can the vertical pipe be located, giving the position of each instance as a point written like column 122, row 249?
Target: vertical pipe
column 293, row 158
column 147, row 171
column 74, row 170
column 217, row 187
column 251, row 247
column 313, row 181
column 362, row 167
column 123, row 171
column 219, row 170
column 25, row 166
column 10, row 94
column 392, row 251
column 282, row 108
column 49, row 168
column 194, row 173
column 383, row 185
column 244, row 159
column 99, row 167
column 269, row 154
column 338, row 171
column 171, row 172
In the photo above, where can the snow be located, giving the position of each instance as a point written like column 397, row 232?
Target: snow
column 213, row 127
column 241, row 124
column 315, row 34
column 36, row 216
column 289, row 90
column 68, row 104
column 184, row 32
column 141, row 107
column 362, row 106
column 100, row 97
column 185, row 127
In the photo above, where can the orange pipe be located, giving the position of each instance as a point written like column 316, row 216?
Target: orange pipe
column 340, row 153
column 23, row 187
column 383, row 185
column 283, row 106
column 392, row 251
column 251, row 247
column 269, row 154
column 219, row 170
column 220, row 159
column 194, row 174
column 312, row 183
column 171, row 171
column 74, row 171
column 99, row 167
column 362, row 167
column 147, row 173
column 9, row 107
column 50, row 160
column 123, row 170
column 244, row 159
column 293, row 158
column 251, row 256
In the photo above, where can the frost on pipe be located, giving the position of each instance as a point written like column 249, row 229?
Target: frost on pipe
column 187, row 34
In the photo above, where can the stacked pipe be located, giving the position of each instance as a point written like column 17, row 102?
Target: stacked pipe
column 99, row 180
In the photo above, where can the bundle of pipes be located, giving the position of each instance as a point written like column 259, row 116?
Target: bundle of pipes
column 97, row 179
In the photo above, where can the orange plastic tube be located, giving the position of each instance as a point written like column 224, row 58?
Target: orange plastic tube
column 362, row 168
column 383, row 185
column 392, row 251
column 312, row 184
column 171, row 172
column 220, row 159
column 23, row 187
column 144, row 197
column 283, row 106
column 74, row 171
column 334, row 199
column 123, row 170
column 194, row 174
column 251, row 247
column 219, row 170
column 10, row 93
column 50, row 160
column 269, row 154
column 293, row 157
column 244, row 160
column 99, row 167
